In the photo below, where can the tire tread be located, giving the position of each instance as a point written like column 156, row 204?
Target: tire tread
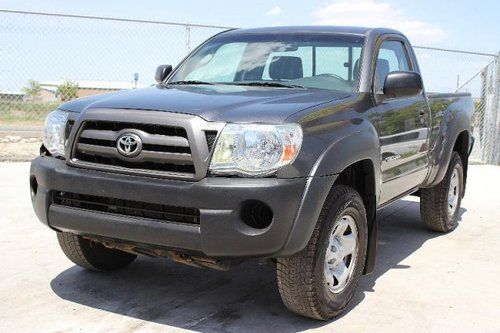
column 79, row 251
column 296, row 276
column 433, row 201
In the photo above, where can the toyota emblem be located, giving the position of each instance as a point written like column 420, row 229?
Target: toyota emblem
column 129, row 144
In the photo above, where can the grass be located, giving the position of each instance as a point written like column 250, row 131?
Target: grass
column 24, row 112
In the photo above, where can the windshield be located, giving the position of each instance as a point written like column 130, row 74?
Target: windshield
column 322, row 61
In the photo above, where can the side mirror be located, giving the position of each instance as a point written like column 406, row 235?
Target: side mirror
column 400, row 84
column 162, row 72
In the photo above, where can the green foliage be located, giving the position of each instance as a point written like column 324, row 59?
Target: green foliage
column 67, row 91
column 33, row 88
column 14, row 112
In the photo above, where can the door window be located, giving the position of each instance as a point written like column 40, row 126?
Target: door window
column 391, row 57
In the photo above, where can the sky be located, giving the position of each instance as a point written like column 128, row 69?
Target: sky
column 472, row 25
column 48, row 49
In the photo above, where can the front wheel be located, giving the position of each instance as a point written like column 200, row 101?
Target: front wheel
column 92, row 255
column 319, row 281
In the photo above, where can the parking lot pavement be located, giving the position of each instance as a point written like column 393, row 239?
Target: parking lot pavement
column 424, row 282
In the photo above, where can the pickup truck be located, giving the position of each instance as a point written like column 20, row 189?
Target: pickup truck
column 271, row 143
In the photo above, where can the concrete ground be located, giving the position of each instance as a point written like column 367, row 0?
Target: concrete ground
column 424, row 282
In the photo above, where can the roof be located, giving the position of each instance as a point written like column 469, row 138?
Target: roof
column 116, row 85
column 313, row 29
column 360, row 31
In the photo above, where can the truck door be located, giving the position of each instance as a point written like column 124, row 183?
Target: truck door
column 402, row 125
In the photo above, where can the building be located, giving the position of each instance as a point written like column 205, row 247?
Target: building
column 12, row 95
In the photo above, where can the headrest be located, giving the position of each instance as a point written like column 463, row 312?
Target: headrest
column 381, row 71
column 286, row 68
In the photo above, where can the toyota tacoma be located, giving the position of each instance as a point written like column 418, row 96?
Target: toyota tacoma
column 276, row 143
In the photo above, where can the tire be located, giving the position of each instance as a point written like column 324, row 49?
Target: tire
column 435, row 201
column 303, row 279
column 92, row 255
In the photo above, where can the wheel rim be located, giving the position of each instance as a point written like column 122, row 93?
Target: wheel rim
column 453, row 193
column 341, row 254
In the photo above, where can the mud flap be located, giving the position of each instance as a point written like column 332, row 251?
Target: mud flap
column 371, row 250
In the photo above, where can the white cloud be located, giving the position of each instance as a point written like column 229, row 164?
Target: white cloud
column 371, row 13
column 276, row 10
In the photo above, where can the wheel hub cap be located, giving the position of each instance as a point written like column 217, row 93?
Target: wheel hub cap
column 453, row 193
column 341, row 253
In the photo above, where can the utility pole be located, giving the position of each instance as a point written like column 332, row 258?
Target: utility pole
column 495, row 121
column 136, row 78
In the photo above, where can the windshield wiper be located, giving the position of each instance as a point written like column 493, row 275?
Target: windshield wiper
column 189, row 82
column 266, row 84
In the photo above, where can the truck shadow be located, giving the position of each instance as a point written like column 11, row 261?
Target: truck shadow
column 243, row 299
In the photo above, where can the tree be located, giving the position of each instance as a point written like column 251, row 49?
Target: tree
column 67, row 91
column 32, row 89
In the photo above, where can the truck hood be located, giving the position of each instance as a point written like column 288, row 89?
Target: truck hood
column 225, row 103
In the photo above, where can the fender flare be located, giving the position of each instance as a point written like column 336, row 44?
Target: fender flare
column 361, row 144
column 365, row 145
column 452, row 125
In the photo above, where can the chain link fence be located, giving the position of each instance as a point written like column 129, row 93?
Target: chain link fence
column 475, row 73
column 46, row 59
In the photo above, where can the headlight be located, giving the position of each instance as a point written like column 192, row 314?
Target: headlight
column 54, row 132
column 255, row 150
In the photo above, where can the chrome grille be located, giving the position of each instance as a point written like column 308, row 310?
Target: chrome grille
column 172, row 145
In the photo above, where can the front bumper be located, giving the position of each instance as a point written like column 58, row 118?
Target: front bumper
column 296, row 204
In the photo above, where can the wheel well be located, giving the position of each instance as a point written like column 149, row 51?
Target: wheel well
column 462, row 148
column 361, row 177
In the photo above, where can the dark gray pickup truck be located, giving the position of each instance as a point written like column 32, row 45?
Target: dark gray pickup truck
column 278, row 143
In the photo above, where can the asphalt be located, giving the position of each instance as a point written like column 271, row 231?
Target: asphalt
column 424, row 282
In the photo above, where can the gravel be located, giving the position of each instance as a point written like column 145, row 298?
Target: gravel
column 16, row 148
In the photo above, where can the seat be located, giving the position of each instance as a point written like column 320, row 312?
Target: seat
column 380, row 73
column 286, row 68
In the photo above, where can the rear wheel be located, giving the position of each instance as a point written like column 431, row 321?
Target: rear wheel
column 319, row 281
column 440, row 205
column 92, row 255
